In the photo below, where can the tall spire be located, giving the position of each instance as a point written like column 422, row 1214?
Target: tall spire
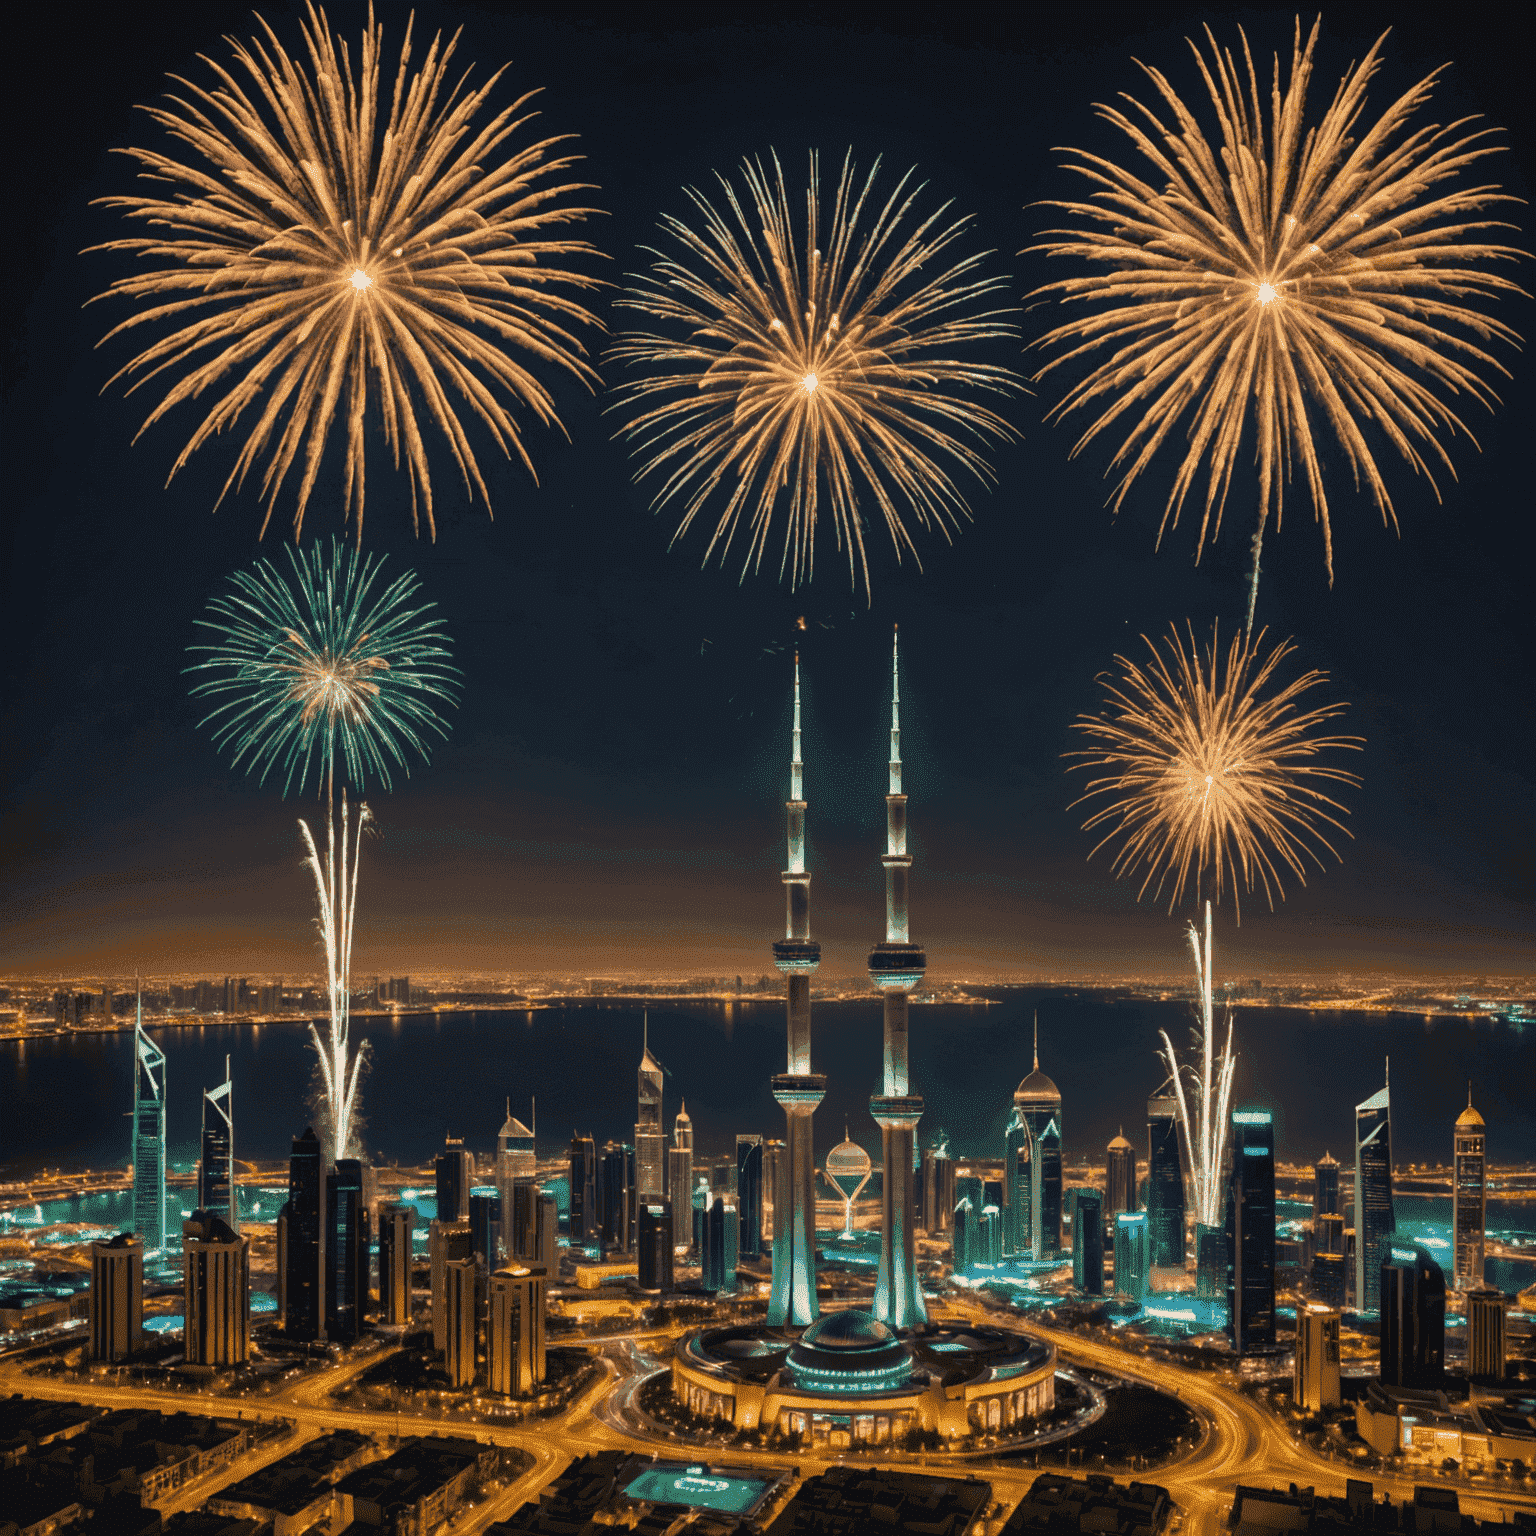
column 895, row 788
column 1037, row 1039
column 796, row 783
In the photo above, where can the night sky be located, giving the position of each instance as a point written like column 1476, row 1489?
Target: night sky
column 611, row 796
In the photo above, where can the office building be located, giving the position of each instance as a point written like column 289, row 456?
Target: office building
column 216, row 1191
column 1328, row 1234
column 347, row 1252
column 1032, row 1167
column 1018, row 1205
column 546, row 1241
column 303, row 1277
column 798, row 1089
column 1325, row 1187
column 484, row 1225
column 991, row 1230
column 1375, row 1215
column 964, row 1237
column 1412, row 1307
column 460, row 1303
column 216, row 1291
column 514, row 1334
column 1251, row 1232
column 722, row 1226
column 655, row 1245
column 117, row 1297
column 1485, row 1335
column 1470, row 1197
column 1165, row 1183
column 515, row 1160
column 938, row 1185
column 396, row 1224
column 680, row 1169
column 1088, row 1241
column 1210, row 1262
column 519, row 1218
column 749, row 1194
column 1119, row 1179
column 586, row 1219
column 617, row 1197
column 1329, row 1279
column 1316, row 1382
column 775, row 1168
column 448, row 1242
column 148, row 1137
column 1133, row 1256
column 650, row 1139
column 455, row 1175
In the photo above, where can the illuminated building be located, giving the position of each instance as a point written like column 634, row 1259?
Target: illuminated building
column 460, row 1282
column 396, row 1223
column 775, row 1164
column 1018, row 1186
column 1328, row 1234
column 303, row 1314
column 655, row 1246
column 798, row 1089
column 148, row 1137
column 1165, row 1183
column 1251, row 1232
column 1412, row 1306
column 216, row 1166
column 1210, row 1262
column 117, row 1297
column 1316, row 1382
column 1329, row 1280
column 484, row 1224
column 1470, row 1196
column 938, row 1188
column 1485, row 1335
column 1375, row 1215
column 216, row 1291
column 1032, row 1166
column 964, row 1241
column 448, row 1242
column 346, row 1252
column 848, row 1170
column 896, row 967
column 650, row 1140
column 586, row 1222
column 514, row 1335
column 1325, row 1187
column 515, row 1160
column 617, row 1196
column 1119, row 1179
column 680, row 1171
column 722, row 1228
column 991, row 1229
column 455, row 1175
column 546, row 1243
column 1133, row 1268
column 1088, row 1242
column 701, row 1199
column 749, row 1194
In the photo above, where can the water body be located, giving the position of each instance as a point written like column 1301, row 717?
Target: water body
column 64, row 1102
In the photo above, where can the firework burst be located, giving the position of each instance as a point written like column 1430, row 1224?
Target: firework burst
column 330, row 665
column 329, row 247
column 1277, row 284
column 818, row 363
column 1212, row 777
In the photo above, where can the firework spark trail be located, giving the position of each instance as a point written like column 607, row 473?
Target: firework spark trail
column 1290, row 274
column 818, row 374
column 1208, row 772
column 324, row 257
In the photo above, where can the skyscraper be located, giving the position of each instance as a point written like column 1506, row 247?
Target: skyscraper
column 680, row 1172
column 546, row 1240
column 650, row 1139
column 303, row 1313
column 1485, row 1335
column 148, row 1137
column 448, row 1242
column 655, row 1245
column 216, row 1167
column 749, row 1194
column 1165, row 1183
column 1325, row 1187
column 723, row 1232
column 347, row 1252
column 964, row 1236
column 1133, row 1256
column 1412, row 1306
column 515, row 1160
column 514, row 1335
column 216, row 1291
column 1471, row 1198
column 484, row 1225
column 586, row 1217
column 460, row 1298
column 519, row 1219
column 938, row 1187
column 396, row 1223
column 1251, row 1232
column 617, row 1196
column 1018, row 1185
column 117, row 1297
column 455, row 1175
column 1375, row 1215
column 896, row 967
column 1032, row 1167
column 1088, row 1241
column 1119, row 1179
column 701, row 1204
column 798, row 1089
column 1316, row 1384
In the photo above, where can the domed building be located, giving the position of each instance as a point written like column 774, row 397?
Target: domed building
column 1032, row 1189
column 850, row 1379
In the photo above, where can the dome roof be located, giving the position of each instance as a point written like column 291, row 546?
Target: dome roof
column 851, row 1329
column 1120, row 1142
column 849, row 1351
column 848, row 1157
column 1469, row 1117
column 1037, row 1088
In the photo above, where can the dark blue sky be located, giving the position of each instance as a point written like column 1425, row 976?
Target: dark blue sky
column 609, row 795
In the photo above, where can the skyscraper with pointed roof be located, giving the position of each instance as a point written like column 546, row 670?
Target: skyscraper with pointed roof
column 515, row 1159
column 216, row 1192
column 148, row 1136
column 896, row 967
column 1032, row 1167
column 680, row 1175
column 650, row 1138
column 1471, row 1197
column 792, row 1291
column 1375, row 1214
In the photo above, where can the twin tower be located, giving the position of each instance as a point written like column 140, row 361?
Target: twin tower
column 895, row 967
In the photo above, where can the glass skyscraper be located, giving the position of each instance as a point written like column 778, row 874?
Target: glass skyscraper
column 1251, row 1232
column 749, row 1194
column 650, row 1139
column 1375, row 1216
column 302, row 1278
column 216, row 1165
column 1165, row 1184
column 1412, row 1319
column 148, row 1138
column 586, row 1225
column 1471, row 1207
column 1088, row 1241
column 347, row 1252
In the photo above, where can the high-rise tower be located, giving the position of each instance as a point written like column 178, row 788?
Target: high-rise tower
column 650, row 1139
column 1375, row 1214
column 792, row 1292
column 515, row 1159
column 896, row 967
column 216, row 1168
column 148, row 1137
column 1035, row 1129
column 1165, row 1183
column 1470, row 1196
column 680, row 1173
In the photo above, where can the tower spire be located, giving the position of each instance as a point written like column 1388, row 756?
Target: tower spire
column 1037, row 1039
column 796, row 764
column 895, row 765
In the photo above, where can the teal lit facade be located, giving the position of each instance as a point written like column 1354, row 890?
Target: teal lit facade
column 1251, row 1232
column 148, row 1138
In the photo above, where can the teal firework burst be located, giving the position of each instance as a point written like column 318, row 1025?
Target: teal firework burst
column 324, row 662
